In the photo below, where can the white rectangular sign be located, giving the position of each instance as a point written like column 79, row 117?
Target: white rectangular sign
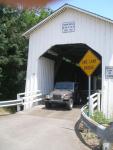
column 68, row 27
column 109, row 72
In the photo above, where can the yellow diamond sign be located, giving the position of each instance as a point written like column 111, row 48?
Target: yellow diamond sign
column 89, row 63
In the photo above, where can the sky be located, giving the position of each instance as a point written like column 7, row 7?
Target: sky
column 100, row 7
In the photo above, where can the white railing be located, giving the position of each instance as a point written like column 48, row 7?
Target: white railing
column 11, row 103
column 90, row 123
column 95, row 102
column 27, row 93
column 30, row 99
column 104, row 133
column 23, row 99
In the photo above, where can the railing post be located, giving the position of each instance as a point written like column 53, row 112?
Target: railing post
column 18, row 106
column 98, row 101
column 89, row 95
column 91, row 106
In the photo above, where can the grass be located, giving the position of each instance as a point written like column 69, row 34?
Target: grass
column 4, row 111
column 100, row 118
column 12, row 109
column 7, row 110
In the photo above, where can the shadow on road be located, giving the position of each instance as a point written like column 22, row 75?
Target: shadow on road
column 61, row 107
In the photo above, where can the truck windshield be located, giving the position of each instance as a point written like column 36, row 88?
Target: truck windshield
column 64, row 85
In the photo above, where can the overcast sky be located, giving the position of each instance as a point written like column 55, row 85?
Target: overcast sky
column 101, row 7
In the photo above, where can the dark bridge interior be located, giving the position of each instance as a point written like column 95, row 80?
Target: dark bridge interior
column 67, row 58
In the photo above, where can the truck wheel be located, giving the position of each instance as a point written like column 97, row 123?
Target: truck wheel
column 70, row 104
column 47, row 105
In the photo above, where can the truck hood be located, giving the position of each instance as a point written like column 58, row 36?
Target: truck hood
column 61, row 92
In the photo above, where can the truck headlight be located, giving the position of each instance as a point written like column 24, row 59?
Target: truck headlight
column 66, row 97
column 63, row 96
column 48, row 96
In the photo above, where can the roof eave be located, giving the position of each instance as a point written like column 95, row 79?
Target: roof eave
column 58, row 11
column 91, row 14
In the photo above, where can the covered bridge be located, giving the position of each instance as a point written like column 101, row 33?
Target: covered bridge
column 59, row 42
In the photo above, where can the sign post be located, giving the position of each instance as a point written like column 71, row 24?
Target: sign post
column 88, row 64
column 89, row 93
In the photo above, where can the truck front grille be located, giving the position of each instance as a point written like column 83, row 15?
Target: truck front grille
column 56, row 97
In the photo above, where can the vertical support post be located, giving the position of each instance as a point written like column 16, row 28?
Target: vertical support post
column 89, row 93
column 98, row 102
column 91, row 106
column 18, row 106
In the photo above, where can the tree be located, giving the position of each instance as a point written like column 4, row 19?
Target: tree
column 14, row 47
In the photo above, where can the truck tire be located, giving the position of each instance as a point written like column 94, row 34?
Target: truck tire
column 70, row 104
column 47, row 105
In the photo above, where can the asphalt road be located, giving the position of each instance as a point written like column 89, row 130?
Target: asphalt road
column 40, row 129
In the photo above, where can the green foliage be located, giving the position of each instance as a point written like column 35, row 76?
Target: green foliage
column 100, row 118
column 14, row 47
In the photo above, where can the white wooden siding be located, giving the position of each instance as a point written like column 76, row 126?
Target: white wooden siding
column 45, row 75
column 86, row 31
column 95, row 32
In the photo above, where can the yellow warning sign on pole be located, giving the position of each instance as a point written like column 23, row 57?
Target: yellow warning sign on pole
column 89, row 63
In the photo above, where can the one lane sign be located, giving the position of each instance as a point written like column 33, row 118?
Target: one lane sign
column 89, row 63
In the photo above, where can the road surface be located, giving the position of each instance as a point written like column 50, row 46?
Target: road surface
column 40, row 129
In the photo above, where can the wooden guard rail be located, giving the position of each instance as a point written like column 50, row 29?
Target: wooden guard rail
column 23, row 99
column 95, row 102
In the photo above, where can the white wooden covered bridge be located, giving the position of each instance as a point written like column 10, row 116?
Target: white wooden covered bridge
column 58, row 43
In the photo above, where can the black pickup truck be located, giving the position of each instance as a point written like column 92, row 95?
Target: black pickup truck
column 64, row 92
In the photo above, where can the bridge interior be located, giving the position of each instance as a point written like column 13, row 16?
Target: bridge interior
column 67, row 58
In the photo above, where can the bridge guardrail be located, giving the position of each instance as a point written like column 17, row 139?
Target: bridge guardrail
column 11, row 103
column 105, row 133
column 95, row 102
column 23, row 99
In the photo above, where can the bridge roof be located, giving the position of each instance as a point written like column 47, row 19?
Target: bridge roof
column 60, row 10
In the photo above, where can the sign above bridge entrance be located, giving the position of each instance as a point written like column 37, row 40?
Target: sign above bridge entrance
column 89, row 63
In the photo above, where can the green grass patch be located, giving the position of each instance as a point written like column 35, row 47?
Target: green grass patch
column 8, row 110
column 12, row 109
column 4, row 111
column 100, row 118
